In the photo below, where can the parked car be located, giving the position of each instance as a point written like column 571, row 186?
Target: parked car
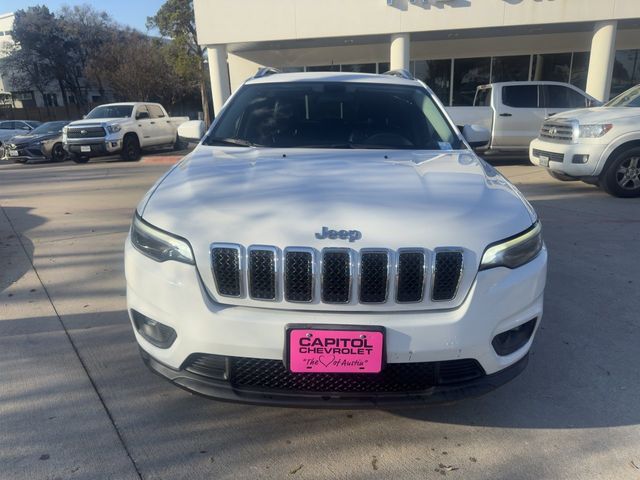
column 334, row 238
column 514, row 111
column 10, row 128
column 42, row 143
column 124, row 128
column 599, row 145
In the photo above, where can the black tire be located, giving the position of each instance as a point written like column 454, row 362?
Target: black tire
column 79, row 159
column 179, row 144
column 130, row 148
column 622, row 175
column 58, row 153
column 561, row 176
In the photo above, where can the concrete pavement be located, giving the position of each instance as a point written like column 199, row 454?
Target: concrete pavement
column 76, row 401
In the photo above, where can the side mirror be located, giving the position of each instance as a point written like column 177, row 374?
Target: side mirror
column 476, row 136
column 191, row 131
column 142, row 115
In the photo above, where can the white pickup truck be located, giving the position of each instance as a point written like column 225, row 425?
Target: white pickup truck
column 599, row 145
column 514, row 111
column 124, row 128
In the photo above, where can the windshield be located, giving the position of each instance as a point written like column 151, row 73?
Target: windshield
column 111, row 111
column 630, row 98
column 49, row 127
column 334, row 115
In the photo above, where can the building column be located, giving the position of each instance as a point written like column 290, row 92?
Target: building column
column 219, row 73
column 400, row 49
column 603, row 53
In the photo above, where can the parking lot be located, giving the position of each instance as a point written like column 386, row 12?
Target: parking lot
column 77, row 402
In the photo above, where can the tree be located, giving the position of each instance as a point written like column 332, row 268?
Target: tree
column 25, row 71
column 135, row 68
column 176, row 20
column 37, row 32
column 85, row 30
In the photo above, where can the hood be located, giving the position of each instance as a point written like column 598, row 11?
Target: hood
column 32, row 138
column 96, row 121
column 597, row 115
column 395, row 199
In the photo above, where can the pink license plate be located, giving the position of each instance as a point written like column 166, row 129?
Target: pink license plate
column 335, row 351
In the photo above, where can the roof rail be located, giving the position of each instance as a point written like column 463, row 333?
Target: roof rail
column 400, row 73
column 265, row 72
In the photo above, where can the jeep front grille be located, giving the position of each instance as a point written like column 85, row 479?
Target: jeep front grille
column 337, row 275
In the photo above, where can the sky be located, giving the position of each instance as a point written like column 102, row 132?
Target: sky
column 133, row 13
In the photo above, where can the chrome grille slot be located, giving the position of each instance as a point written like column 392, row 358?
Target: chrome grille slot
column 226, row 266
column 262, row 273
column 298, row 275
column 411, row 276
column 447, row 274
column 336, row 275
column 374, row 276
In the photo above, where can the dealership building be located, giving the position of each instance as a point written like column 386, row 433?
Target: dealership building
column 453, row 45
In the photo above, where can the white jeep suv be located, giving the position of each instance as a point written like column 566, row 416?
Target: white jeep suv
column 598, row 145
column 333, row 239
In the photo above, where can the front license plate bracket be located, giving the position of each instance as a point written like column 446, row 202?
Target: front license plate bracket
column 348, row 349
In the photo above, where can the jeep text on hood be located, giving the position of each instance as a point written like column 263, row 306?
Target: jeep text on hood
column 334, row 238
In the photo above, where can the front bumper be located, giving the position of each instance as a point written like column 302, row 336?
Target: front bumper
column 93, row 147
column 224, row 389
column 172, row 293
column 563, row 157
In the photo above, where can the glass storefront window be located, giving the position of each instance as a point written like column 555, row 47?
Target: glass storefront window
column 510, row 69
column 436, row 74
column 626, row 71
column 553, row 67
column 579, row 69
column 468, row 73
column 360, row 68
column 324, row 68
column 383, row 67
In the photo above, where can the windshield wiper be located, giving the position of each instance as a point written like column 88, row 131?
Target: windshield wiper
column 235, row 142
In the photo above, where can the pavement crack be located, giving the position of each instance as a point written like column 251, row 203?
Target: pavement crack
column 74, row 347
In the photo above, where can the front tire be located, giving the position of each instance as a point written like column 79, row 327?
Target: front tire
column 58, row 153
column 622, row 176
column 130, row 148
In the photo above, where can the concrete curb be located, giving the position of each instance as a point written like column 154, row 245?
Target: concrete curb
column 162, row 159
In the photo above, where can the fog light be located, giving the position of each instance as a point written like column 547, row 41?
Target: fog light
column 154, row 332
column 511, row 340
column 580, row 159
column 114, row 144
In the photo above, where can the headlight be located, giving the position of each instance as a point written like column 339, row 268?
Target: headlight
column 158, row 245
column 113, row 128
column 65, row 129
column 514, row 252
column 594, row 131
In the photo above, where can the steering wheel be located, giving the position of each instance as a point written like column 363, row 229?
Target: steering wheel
column 387, row 138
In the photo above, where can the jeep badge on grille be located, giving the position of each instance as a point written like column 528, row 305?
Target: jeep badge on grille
column 351, row 235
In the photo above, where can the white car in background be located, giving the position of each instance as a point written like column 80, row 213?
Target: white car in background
column 334, row 239
column 514, row 111
column 121, row 128
column 599, row 145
